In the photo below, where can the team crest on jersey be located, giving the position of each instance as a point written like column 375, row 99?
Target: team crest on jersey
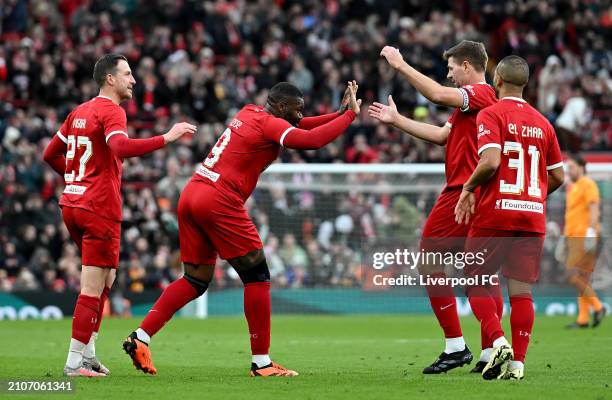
column 497, row 204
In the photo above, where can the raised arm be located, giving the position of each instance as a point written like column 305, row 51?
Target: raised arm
column 313, row 122
column 280, row 131
column 429, row 88
column 420, row 130
column 125, row 147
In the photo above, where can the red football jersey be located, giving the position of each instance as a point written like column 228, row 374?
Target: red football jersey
column 515, row 197
column 461, row 156
column 93, row 171
column 251, row 142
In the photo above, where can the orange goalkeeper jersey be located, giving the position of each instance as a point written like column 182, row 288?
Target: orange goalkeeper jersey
column 580, row 195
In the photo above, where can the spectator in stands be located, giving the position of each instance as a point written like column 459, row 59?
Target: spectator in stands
column 199, row 61
column 572, row 120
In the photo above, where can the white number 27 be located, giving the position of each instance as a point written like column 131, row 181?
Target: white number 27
column 73, row 144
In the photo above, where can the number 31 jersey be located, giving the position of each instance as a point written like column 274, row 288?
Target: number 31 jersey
column 93, row 171
column 515, row 197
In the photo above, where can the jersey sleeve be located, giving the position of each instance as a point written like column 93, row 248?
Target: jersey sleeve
column 318, row 120
column 592, row 193
column 489, row 131
column 280, row 131
column 114, row 121
column 451, row 119
column 62, row 132
column 554, row 159
column 475, row 97
column 276, row 129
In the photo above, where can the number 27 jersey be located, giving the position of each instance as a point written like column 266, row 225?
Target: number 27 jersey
column 93, row 171
column 515, row 197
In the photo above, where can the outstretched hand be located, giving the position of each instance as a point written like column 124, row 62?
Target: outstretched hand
column 386, row 114
column 178, row 130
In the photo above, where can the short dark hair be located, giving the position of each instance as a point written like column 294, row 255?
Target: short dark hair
column 283, row 92
column 107, row 64
column 513, row 70
column 577, row 158
column 470, row 51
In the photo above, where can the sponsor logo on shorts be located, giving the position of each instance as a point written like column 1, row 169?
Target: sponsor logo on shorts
column 206, row 173
column 75, row 189
column 521, row 205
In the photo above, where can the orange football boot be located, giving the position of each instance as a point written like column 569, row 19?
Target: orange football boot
column 140, row 354
column 273, row 369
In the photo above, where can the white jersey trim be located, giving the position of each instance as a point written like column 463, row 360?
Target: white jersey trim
column 514, row 98
column 488, row 146
column 554, row 166
column 114, row 133
column 448, row 124
column 282, row 138
column 62, row 137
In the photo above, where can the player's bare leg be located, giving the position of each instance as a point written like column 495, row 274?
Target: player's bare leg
column 84, row 321
column 253, row 271
column 192, row 285
column 89, row 354
column 444, row 305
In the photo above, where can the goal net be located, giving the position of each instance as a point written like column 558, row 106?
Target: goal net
column 322, row 223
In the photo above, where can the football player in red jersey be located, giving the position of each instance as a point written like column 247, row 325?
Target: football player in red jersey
column 214, row 222
column 520, row 164
column 466, row 69
column 88, row 151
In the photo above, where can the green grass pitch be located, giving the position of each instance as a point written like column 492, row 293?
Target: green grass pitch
column 344, row 357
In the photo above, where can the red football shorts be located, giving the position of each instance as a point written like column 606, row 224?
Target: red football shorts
column 212, row 223
column 98, row 238
column 441, row 232
column 516, row 253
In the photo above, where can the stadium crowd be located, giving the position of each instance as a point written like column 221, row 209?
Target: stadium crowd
column 201, row 61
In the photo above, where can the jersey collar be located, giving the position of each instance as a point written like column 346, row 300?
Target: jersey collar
column 104, row 97
column 514, row 98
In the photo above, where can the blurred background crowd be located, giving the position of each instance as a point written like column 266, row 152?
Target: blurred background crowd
column 201, row 61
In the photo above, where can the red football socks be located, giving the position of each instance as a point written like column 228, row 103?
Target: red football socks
column 521, row 322
column 444, row 306
column 497, row 295
column 85, row 317
column 257, row 312
column 173, row 298
column 484, row 308
column 103, row 298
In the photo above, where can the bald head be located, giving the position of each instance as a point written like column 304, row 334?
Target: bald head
column 513, row 70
